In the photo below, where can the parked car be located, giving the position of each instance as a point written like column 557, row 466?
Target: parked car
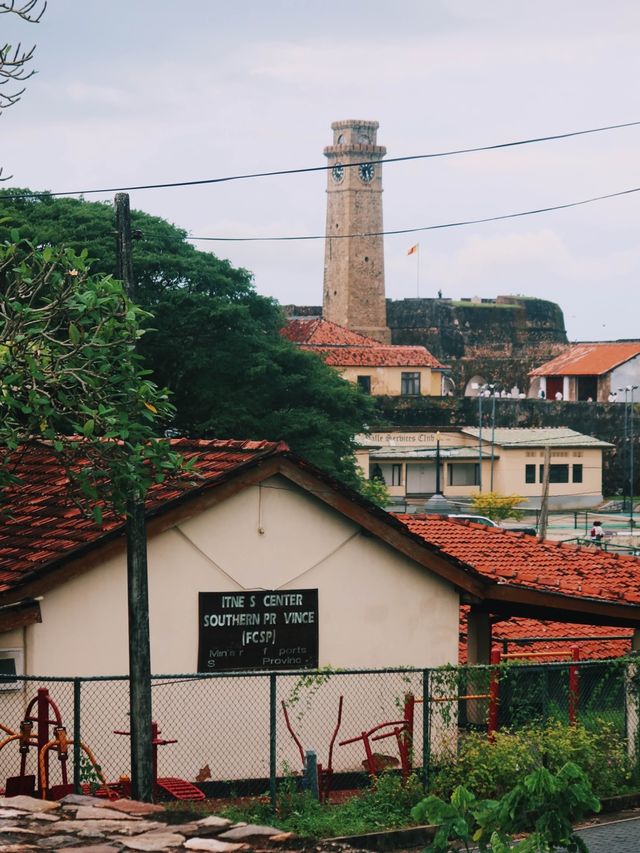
column 482, row 519
column 477, row 519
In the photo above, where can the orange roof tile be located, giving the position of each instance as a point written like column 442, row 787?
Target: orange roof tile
column 516, row 634
column 591, row 359
column 340, row 347
column 42, row 524
column 520, row 560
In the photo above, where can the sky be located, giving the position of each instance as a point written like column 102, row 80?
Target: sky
column 149, row 91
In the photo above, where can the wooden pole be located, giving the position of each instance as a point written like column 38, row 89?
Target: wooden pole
column 137, row 581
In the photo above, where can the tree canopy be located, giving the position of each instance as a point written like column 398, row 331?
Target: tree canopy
column 68, row 367
column 212, row 340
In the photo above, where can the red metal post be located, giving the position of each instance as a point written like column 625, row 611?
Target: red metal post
column 494, row 693
column 43, row 732
column 574, row 686
column 409, row 716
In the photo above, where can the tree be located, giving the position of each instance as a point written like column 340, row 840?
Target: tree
column 68, row 367
column 496, row 506
column 213, row 340
column 14, row 61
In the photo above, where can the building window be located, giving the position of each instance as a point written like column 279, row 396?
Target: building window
column 396, row 475
column 530, row 473
column 376, row 473
column 557, row 473
column 11, row 665
column 410, row 384
column 364, row 384
column 464, row 474
column 577, row 473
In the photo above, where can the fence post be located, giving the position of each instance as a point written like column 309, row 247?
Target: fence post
column 272, row 739
column 77, row 752
column 574, row 686
column 494, row 693
column 426, row 728
column 311, row 773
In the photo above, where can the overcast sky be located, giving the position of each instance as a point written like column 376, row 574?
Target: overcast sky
column 146, row 91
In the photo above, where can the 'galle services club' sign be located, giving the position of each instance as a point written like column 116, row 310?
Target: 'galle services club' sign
column 265, row 629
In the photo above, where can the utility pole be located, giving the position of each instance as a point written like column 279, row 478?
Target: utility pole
column 480, row 393
column 624, row 448
column 631, row 477
column 544, row 503
column 137, row 581
column 493, row 433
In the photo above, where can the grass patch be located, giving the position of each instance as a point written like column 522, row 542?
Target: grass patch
column 386, row 804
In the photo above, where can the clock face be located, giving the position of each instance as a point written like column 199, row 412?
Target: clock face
column 337, row 173
column 366, row 172
column 363, row 139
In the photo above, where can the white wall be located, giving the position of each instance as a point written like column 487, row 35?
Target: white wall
column 376, row 607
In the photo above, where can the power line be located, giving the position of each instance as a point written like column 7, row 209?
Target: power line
column 438, row 227
column 280, row 172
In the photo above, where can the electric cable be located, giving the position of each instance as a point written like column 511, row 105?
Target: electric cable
column 438, row 227
column 280, row 172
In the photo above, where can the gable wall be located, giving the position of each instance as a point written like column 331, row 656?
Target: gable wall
column 376, row 608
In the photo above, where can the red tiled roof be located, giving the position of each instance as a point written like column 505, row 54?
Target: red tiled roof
column 595, row 642
column 43, row 523
column 319, row 332
column 520, row 560
column 588, row 359
column 340, row 347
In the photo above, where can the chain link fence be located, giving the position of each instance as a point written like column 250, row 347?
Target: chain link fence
column 239, row 734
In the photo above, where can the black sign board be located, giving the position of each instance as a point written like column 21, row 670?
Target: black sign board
column 268, row 629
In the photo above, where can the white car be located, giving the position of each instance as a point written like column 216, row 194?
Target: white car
column 477, row 519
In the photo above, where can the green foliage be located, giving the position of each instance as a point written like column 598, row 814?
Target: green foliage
column 372, row 488
column 91, row 774
column 387, row 804
column 544, row 806
column 497, row 507
column 212, row 340
column 492, row 768
column 68, row 366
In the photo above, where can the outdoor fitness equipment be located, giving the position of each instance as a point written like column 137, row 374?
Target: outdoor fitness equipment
column 497, row 656
column 178, row 788
column 46, row 714
column 324, row 773
column 403, row 735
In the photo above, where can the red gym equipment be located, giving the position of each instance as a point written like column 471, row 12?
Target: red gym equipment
column 403, row 735
column 324, row 773
column 178, row 788
column 44, row 712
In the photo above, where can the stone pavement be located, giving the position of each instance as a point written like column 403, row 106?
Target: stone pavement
column 91, row 825
column 621, row 836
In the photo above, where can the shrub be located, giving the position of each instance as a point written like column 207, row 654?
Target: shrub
column 543, row 805
column 490, row 769
column 496, row 506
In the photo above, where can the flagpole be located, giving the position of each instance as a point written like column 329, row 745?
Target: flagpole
column 418, row 271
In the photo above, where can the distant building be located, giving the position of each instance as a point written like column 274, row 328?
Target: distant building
column 378, row 369
column 406, row 461
column 588, row 371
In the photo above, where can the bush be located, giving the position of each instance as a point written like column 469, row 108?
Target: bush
column 497, row 507
column 492, row 768
column 543, row 806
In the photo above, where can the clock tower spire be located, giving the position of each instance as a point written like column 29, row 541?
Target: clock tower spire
column 354, row 255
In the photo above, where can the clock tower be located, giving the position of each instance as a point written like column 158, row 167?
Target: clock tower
column 354, row 255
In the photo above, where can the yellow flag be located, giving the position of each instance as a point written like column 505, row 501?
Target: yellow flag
column 413, row 249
